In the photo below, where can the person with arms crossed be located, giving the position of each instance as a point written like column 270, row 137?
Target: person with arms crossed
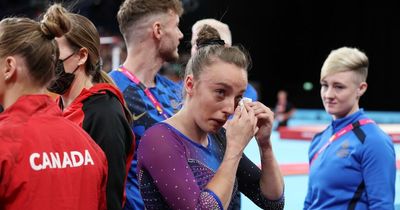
column 151, row 33
column 89, row 98
column 352, row 162
column 46, row 161
column 198, row 164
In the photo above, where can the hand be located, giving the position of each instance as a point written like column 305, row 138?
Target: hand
column 240, row 129
column 265, row 119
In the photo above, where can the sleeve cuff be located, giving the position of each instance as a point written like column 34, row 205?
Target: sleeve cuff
column 215, row 197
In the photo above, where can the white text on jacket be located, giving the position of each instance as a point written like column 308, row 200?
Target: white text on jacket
column 54, row 160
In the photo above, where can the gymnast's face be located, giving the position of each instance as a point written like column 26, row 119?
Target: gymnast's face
column 215, row 94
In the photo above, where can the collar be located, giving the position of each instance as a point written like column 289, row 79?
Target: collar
column 29, row 105
column 342, row 122
column 96, row 89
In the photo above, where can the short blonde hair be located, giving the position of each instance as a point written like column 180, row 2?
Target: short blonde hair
column 222, row 28
column 346, row 59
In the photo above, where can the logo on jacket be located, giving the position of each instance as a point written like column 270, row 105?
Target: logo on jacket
column 344, row 149
column 136, row 117
column 71, row 159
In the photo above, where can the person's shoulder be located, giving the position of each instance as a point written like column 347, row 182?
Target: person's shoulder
column 375, row 134
column 10, row 149
column 158, row 129
column 251, row 92
column 167, row 82
column 170, row 88
column 102, row 100
column 119, row 79
column 377, row 143
column 104, row 108
column 325, row 133
column 9, row 139
column 160, row 135
column 161, row 131
column 115, row 74
column 12, row 125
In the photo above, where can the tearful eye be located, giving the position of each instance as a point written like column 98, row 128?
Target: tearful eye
column 237, row 100
column 220, row 92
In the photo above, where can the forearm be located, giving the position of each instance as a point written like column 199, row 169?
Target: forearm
column 271, row 182
column 222, row 182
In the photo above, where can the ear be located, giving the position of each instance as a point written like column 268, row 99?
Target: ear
column 83, row 55
column 189, row 84
column 362, row 88
column 10, row 69
column 157, row 30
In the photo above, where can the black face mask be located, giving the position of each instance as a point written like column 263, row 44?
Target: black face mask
column 63, row 79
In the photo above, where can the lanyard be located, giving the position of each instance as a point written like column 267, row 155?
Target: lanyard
column 146, row 90
column 340, row 133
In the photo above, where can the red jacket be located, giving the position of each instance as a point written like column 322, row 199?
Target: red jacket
column 46, row 161
column 100, row 112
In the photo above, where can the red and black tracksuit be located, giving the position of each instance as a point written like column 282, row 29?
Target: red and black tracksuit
column 100, row 111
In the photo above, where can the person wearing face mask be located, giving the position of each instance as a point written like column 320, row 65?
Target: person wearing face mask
column 352, row 162
column 63, row 79
column 89, row 98
column 46, row 161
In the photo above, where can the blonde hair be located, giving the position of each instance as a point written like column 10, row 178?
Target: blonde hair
column 222, row 28
column 35, row 42
column 346, row 59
